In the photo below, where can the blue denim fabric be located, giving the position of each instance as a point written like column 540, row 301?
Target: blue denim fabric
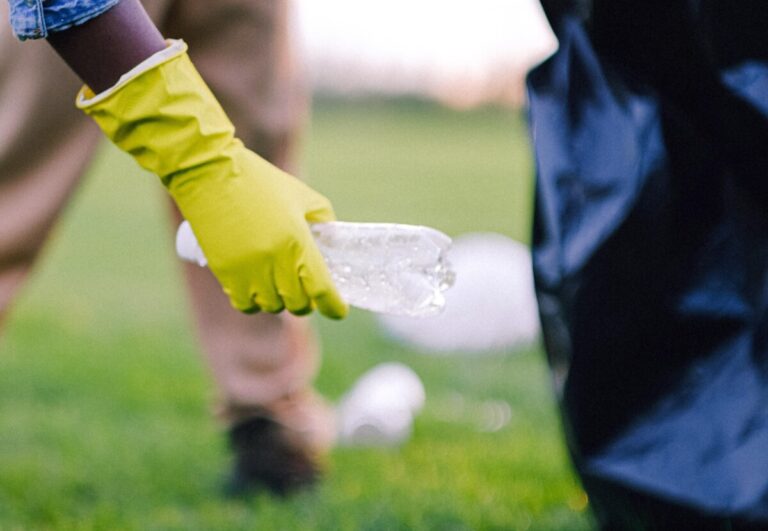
column 35, row 19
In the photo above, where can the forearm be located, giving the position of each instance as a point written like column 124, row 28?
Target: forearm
column 106, row 47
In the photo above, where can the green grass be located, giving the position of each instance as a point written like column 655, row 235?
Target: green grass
column 104, row 404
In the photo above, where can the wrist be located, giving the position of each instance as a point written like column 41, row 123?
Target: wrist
column 105, row 46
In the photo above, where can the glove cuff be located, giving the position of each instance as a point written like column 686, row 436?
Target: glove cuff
column 164, row 115
column 86, row 97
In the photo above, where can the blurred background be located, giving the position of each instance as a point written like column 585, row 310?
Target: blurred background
column 456, row 53
column 418, row 117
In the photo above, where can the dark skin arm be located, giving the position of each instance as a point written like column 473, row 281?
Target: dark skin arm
column 108, row 46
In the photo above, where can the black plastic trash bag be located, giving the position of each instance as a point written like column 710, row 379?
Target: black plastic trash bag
column 650, row 128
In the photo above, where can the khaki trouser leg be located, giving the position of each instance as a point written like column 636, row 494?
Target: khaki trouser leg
column 45, row 145
column 261, row 363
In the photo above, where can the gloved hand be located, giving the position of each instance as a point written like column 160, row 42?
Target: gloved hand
column 250, row 218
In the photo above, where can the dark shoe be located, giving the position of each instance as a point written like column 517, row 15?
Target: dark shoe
column 268, row 458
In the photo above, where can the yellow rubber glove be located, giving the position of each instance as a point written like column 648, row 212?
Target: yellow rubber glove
column 249, row 217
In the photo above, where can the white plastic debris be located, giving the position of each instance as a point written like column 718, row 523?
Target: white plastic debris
column 379, row 409
column 491, row 306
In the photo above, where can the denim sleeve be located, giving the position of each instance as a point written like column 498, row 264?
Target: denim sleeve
column 35, row 19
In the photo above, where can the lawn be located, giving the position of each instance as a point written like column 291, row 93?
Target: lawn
column 104, row 403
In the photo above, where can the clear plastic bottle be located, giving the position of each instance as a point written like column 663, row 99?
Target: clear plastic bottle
column 382, row 267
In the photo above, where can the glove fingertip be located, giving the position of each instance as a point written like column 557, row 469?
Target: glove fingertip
column 320, row 216
column 242, row 304
column 320, row 212
column 332, row 306
column 319, row 286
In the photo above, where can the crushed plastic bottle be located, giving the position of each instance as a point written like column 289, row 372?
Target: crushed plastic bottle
column 382, row 267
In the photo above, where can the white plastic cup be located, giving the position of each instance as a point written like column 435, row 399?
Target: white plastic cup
column 380, row 408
